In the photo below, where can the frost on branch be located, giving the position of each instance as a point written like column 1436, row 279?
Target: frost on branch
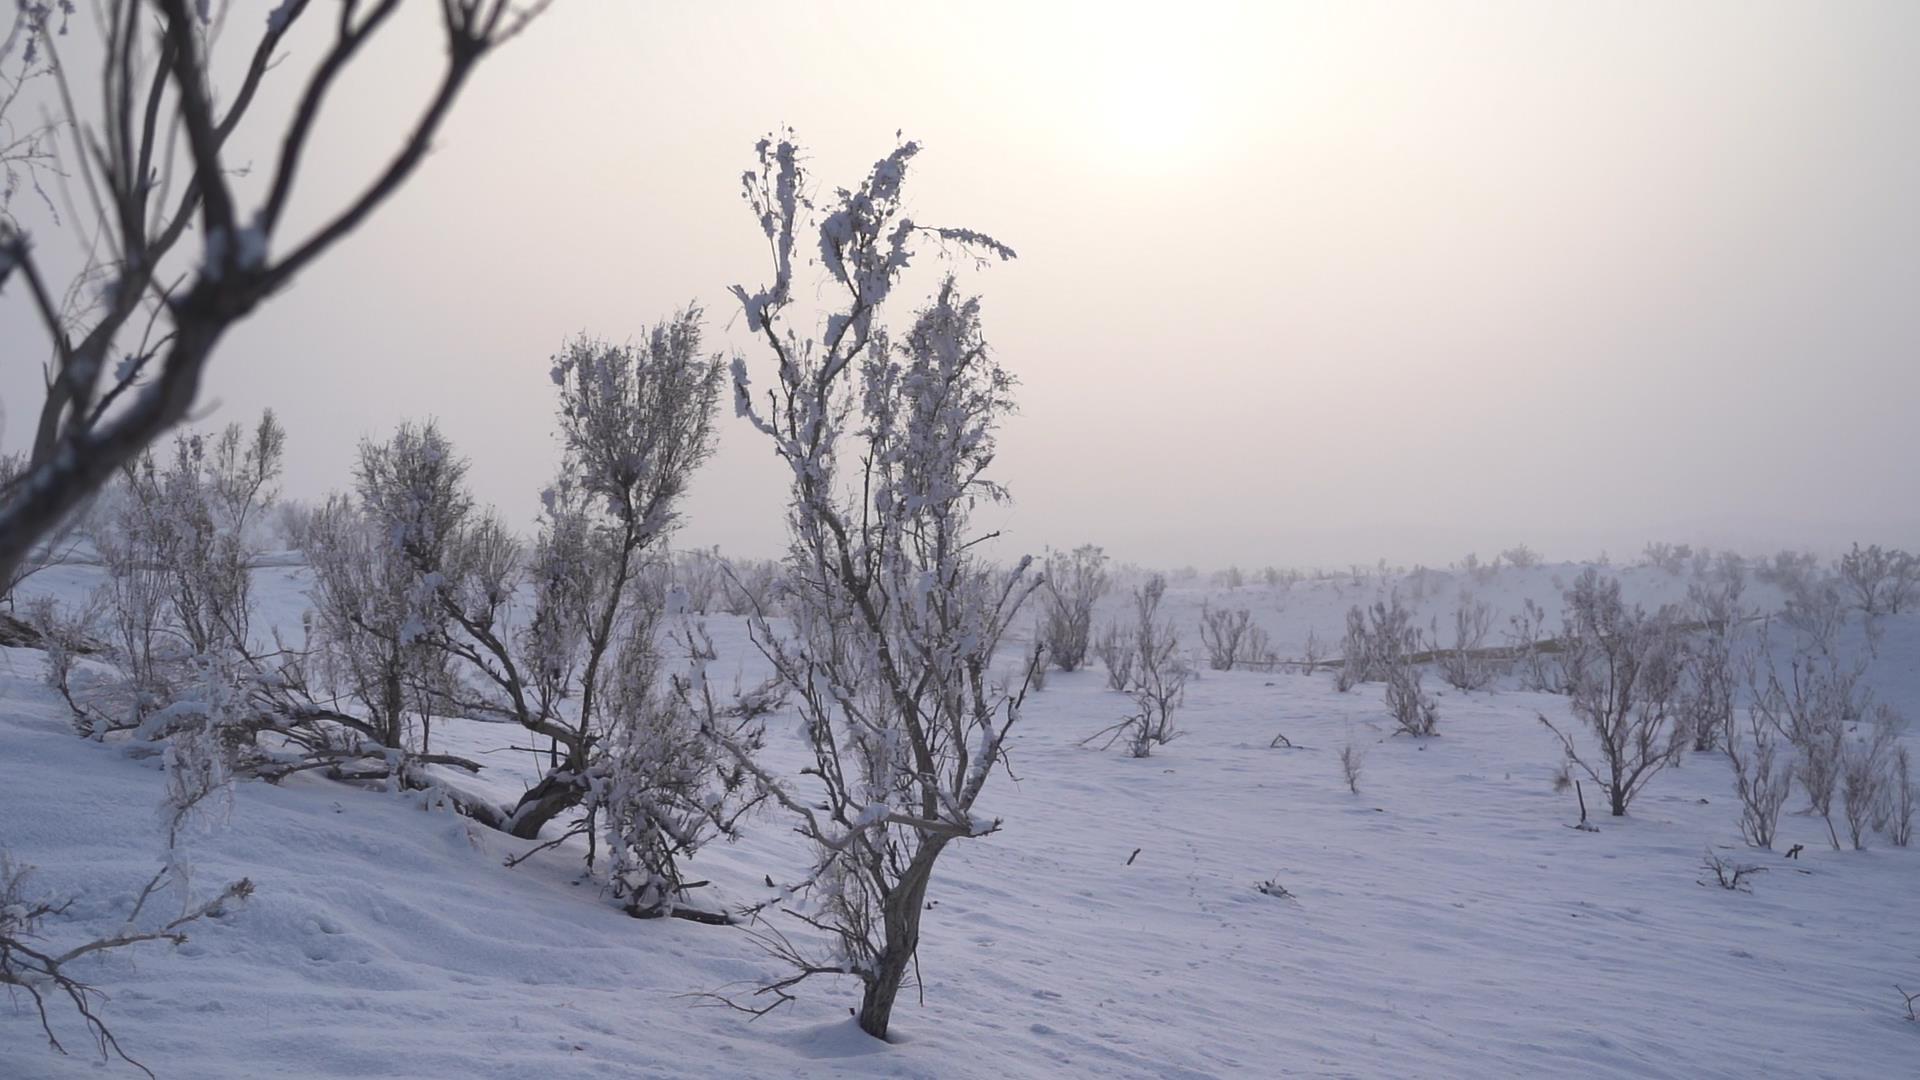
column 895, row 619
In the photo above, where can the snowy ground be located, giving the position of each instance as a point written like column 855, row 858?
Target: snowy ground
column 1443, row 923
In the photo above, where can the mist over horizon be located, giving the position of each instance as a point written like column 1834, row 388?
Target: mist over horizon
column 1296, row 285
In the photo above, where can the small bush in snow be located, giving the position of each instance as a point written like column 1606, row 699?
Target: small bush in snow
column 1762, row 778
column 1075, row 582
column 1623, row 670
column 1669, row 557
column 1462, row 663
column 1532, row 648
column 1864, row 759
column 1814, row 707
column 1900, row 798
column 1378, row 639
column 1233, row 639
column 1729, row 874
column 1413, row 710
column 1711, row 678
column 1157, row 675
column 1521, row 557
column 1353, row 758
column 1877, row 580
column 1117, row 654
column 666, row 787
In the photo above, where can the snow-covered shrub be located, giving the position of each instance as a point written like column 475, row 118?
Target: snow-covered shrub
column 1075, row 582
column 1623, row 669
column 1378, row 639
column 1116, row 651
column 667, row 786
column 635, row 422
column 1353, row 758
column 1230, row 578
column 1814, row 707
column 699, row 574
column 894, row 616
column 1878, row 581
column 1761, row 777
column 1233, row 639
column 1669, row 557
column 174, row 544
column 1157, row 675
column 1521, row 557
column 379, row 560
column 1462, row 663
column 1711, row 662
column 749, row 586
column 1900, row 798
column 1413, row 710
column 1864, row 759
column 1479, row 572
column 1533, row 649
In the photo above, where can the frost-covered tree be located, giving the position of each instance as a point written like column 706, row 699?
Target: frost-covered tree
column 895, row 618
column 1762, row 777
column 136, row 330
column 1152, row 672
column 1623, row 670
column 1712, row 661
column 1233, row 639
column 1462, row 664
column 378, row 560
column 1817, row 702
column 1878, row 580
column 175, row 541
column 636, row 421
column 670, row 783
column 1379, row 639
column 1075, row 582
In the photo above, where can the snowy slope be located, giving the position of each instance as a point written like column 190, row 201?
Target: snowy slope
column 1443, row 923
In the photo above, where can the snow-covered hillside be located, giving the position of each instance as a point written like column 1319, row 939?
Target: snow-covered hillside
column 1443, row 922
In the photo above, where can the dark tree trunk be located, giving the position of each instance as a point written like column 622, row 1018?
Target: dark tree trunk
column 900, row 915
column 557, row 792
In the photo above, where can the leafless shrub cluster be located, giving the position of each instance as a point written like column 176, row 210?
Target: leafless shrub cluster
column 1156, row 675
column 750, row 587
column 1712, row 663
column 1879, row 581
column 1075, row 582
column 700, row 576
column 1463, row 662
column 1623, row 670
column 1734, row 876
column 1900, row 798
column 1866, row 760
column 1762, row 778
column 1521, row 557
column 1813, row 708
column 1533, row 649
column 1378, row 639
column 1353, row 758
column 1117, row 654
column 1233, row 639
column 1672, row 558
column 1413, row 710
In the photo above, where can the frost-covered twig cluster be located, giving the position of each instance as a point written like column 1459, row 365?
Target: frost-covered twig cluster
column 894, row 618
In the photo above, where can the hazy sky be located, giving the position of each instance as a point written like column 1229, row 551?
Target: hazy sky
column 1298, row 284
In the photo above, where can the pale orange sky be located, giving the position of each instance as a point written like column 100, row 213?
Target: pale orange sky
column 1298, row 283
